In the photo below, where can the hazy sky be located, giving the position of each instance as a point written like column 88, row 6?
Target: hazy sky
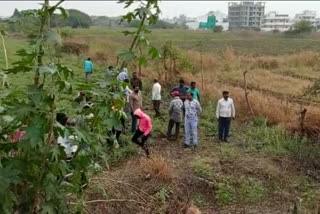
column 169, row 8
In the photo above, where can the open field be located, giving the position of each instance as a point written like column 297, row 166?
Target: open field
column 278, row 67
column 262, row 170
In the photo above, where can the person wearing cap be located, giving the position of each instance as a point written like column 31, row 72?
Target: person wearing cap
column 225, row 111
column 175, row 115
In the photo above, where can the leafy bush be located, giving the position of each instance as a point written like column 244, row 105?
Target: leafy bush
column 300, row 27
column 218, row 29
column 251, row 191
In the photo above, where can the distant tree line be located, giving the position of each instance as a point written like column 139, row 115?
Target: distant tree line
column 78, row 19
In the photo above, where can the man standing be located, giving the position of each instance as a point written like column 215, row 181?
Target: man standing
column 136, row 81
column 127, row 92
column 88, row 69
column 144, row 130
column 123, row 75
column 192, row 112
column 181, row 88
column 156, row 96
column 175, row 114
column 225, row 110
column 195, row 91
column 135, row 101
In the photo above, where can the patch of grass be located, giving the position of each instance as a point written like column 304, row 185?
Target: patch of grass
column 308, row 192
column 121, row 153
column 251, row 191
column 202, row 169
column 228, row 151
column 199, row 200
column 163, row 194
column 225, row 194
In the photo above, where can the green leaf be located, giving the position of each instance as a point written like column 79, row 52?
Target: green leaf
column 48, row 69
column 48, row 209
column 8, row 176
column 53, row 37
column 127, row 56
column 143, row 61
column 64, row 12
column 126, row 32
column 7, row 118
column 2, row 109
column 34, row 134
column 153, row 52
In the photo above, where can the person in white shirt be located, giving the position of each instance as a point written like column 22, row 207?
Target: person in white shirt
column 156, row 96
column 225, row 111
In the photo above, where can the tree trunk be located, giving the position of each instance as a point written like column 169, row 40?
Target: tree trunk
column 4, row 50
column 301, row 121
column 246, row 93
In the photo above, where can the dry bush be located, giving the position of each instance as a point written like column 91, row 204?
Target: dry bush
column 156, row 168
column 304, row 58
column 193, row 210
column 74, row 47
column 230, row 59
column 100, row 56
column 266, row 63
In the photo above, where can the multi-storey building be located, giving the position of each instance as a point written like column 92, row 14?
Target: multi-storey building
column 246, row 14
column 273, row 21
column 308, row 15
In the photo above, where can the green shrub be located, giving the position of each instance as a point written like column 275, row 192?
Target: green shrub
column 225, row 194
column 251, row 191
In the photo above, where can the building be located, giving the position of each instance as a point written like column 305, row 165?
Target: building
column 273, row 21
column 246, row 14
column 308, row 15
column 221, row 19
column 210, row 24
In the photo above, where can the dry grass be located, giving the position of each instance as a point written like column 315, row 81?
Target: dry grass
column 156, row 168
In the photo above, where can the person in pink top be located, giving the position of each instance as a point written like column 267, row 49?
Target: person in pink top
column 144, row 130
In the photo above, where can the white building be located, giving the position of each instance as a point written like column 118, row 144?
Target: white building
column 307, row 15
column 273, row 21
column 221, row 19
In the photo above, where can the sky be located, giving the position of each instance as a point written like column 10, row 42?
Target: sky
column 169, row 8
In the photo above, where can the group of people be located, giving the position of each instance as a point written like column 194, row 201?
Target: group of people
column 184, row 107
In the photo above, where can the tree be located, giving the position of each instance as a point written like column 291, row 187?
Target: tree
column 300, row 27
column 218, row 29
column 76, row 19
column 303, row 26
column 16, row 13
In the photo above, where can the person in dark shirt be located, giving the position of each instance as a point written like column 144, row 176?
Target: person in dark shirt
column 182, row 89
column 136, row 81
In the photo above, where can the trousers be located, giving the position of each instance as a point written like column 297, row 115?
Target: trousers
column 224, row 127
column 170, row 127
column 143, row 142
column 191, row 128
column 134, row 123
column 87, row 76
column 156, row 106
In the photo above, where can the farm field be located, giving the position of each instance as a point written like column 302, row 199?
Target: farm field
column 266, row 168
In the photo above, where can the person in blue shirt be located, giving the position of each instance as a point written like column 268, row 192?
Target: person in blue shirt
column 88, row 69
